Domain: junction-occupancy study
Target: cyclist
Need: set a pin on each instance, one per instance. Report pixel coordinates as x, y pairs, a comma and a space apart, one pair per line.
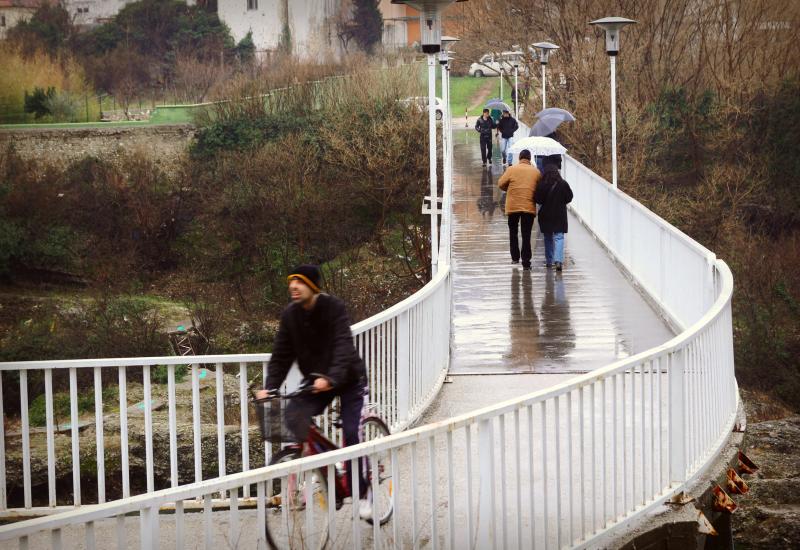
315, 331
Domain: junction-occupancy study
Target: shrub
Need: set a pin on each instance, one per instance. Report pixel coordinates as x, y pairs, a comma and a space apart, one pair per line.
37, 102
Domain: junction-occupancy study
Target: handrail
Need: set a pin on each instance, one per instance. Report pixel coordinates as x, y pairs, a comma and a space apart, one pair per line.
403, 379
600, 449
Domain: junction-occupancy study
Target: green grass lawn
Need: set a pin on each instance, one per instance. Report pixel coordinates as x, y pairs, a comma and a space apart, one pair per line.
170, 114
464, 88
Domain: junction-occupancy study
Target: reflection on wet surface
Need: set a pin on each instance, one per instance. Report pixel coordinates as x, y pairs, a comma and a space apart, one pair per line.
507, 320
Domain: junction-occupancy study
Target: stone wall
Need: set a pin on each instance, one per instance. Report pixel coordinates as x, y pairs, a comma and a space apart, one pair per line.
167, 143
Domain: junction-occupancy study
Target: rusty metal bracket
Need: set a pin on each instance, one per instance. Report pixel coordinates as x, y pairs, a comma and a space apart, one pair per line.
746, 466
680, 499
704, 526
723, 502
735, 484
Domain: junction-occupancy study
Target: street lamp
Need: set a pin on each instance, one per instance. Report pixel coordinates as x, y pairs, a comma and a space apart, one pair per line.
514, 56
447, 143
545, 48
430, 15
612, 26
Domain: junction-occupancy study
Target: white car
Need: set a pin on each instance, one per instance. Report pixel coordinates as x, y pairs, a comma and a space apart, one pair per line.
421, 104
490, 64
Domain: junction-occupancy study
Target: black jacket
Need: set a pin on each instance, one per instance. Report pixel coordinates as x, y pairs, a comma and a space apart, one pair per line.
507, 126
485, 127
320, 341
553, 193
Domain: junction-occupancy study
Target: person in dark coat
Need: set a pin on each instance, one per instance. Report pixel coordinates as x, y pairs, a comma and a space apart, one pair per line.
484, 125
315, 332
553, 194
505, 129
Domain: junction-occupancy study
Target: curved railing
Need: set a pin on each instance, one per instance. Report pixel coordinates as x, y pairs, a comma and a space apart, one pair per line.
559, 467
406, 350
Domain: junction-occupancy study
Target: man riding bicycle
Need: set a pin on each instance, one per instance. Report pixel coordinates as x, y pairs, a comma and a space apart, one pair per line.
315, 331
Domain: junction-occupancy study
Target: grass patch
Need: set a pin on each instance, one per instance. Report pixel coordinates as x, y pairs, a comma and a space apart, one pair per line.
37, 412
464, 88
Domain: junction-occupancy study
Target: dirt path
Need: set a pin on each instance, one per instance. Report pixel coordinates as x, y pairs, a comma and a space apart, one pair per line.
482, 94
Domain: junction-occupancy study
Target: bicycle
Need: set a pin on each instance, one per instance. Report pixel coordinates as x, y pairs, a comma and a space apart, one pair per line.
290, 522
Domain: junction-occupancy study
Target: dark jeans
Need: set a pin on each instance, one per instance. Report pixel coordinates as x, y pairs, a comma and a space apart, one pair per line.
300, 410
526, 220
486, 148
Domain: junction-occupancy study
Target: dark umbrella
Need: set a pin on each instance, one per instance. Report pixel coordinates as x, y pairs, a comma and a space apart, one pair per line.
549, 120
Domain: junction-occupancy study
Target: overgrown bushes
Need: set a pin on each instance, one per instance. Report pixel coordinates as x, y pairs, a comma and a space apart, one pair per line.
332, 176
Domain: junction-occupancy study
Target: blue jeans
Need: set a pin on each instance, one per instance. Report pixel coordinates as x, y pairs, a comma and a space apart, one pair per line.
553, 247
505, 143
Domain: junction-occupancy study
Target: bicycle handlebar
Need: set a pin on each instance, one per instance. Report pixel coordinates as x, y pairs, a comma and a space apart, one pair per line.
305, 388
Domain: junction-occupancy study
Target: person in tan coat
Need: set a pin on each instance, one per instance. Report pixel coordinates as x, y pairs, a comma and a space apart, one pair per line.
519, 182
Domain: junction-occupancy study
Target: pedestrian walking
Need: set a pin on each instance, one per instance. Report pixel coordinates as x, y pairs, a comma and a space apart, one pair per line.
484, 125
553, 194
314, 331
505, 130
520, 182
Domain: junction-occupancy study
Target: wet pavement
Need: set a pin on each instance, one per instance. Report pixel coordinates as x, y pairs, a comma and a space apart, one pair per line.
507, 320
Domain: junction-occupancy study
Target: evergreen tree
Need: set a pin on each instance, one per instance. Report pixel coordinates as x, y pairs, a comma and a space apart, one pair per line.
367, 24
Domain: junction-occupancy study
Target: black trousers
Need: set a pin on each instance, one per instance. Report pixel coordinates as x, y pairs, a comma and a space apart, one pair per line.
300, 410
525, 220
486, 148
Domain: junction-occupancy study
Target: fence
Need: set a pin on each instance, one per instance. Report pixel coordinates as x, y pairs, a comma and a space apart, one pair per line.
556, 468
406, 349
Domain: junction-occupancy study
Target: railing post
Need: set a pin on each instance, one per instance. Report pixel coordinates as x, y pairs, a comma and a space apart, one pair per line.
403, 366
677, 417
486, 504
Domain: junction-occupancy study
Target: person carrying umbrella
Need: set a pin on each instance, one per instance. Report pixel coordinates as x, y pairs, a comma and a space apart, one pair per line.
505, 129
553, 194
520, 182
484, 125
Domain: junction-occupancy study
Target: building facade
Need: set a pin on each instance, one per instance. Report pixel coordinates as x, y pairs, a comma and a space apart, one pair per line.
304, 28
401, 24
93, 12
14, 11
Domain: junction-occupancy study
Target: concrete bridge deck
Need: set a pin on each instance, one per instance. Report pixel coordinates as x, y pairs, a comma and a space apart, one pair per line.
540, 326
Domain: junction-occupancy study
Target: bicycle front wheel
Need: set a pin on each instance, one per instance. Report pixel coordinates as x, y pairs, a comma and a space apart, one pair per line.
297, 514
379, 470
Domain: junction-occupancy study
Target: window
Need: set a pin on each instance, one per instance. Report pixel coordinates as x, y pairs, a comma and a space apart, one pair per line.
2, 20
252, 4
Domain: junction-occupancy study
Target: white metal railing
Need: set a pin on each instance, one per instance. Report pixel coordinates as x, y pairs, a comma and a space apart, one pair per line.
556, 468
406, 349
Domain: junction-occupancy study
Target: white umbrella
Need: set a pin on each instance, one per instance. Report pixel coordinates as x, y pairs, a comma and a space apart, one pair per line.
538, 146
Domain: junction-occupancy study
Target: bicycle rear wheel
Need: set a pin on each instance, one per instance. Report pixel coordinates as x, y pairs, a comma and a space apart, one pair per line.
382, 488
293, 520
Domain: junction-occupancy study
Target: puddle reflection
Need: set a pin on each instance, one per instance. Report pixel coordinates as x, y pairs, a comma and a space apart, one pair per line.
486, 202
557, 329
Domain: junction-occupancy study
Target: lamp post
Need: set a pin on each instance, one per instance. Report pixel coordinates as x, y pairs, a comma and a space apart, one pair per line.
612, 26
544, 48
514, 56
447, 146
501, 80
430, 15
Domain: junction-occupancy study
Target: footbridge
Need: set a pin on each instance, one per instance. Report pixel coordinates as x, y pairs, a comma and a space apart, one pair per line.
528, 409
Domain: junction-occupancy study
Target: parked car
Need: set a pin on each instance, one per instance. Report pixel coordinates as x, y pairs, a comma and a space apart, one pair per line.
490, 64
421, 104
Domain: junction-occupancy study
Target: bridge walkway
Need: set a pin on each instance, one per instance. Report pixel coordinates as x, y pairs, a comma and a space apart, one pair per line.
529, 329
